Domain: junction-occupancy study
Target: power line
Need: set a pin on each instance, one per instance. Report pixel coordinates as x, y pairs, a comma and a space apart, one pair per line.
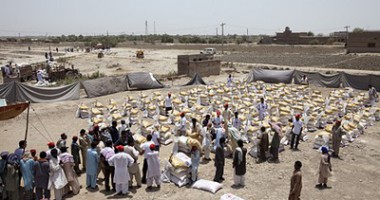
222, 25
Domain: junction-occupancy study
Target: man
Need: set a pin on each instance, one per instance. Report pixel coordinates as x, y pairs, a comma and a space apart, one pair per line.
206, 121
183, 126
219, 161
219, 132
296, 131
229, 81
275, 144
51, 146
156, 137
168, 104
372, 95
123, 126
67, 162
206, 141
227, 115
217, 121
105, 155
84, 143
123, 140
195, 132
26, 166
195, 159
337, 133
121, 161
145, 150
114, 132
324, 168
134, 169
239, 163
92, 160
33, 153
304, 80
154, 172
57, 176
75, 149
296, 182
263, 145
12, 178
236, 121
41, 177
262, 109
21, 149
62, 142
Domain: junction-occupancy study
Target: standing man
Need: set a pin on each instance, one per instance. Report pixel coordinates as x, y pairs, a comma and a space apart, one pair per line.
219, 161
263, 145
324, 168
236, 121
123, 126
57, 176
206, 141
372, 95
156, 137
296, 182
195, 159
183, 125
67, 163
275, 144
41, 177
217, 121
154, 172
84, 143
145, 150
262, 109
296, 131
114, 132
62, 141
109, 171
121, 161
75, 149
26, 166
134, 169
21, 148
337, 133
239, 163
168, 104
92, 160
227, 115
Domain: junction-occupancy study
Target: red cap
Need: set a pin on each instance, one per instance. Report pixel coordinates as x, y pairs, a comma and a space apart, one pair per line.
120, 148
182, 113
218, 112
152, 146
51, 144
33, 151
298, 116
338, 122
226, 105
75, 137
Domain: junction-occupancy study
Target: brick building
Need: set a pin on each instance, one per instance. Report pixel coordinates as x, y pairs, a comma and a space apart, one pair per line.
364, 42
203, 64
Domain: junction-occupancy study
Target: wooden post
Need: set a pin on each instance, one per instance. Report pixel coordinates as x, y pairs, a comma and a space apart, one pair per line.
27, 122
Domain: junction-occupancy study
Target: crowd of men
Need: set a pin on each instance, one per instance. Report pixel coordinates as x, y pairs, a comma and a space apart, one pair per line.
112, 151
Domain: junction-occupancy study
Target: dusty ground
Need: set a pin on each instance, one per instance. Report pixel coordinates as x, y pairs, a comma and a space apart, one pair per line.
356, 175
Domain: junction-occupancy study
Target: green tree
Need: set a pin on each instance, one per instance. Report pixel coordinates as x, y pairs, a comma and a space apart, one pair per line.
357, 30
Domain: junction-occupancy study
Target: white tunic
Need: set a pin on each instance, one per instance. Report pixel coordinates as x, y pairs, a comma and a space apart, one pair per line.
217, 121
183, 124
262, 108
153, 164
168, 102
236, 123
297, 126
156, 137
121, 161
206, 137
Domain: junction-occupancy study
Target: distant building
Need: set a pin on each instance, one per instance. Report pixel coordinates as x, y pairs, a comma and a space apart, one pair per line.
203, 64
364, 42
299, 38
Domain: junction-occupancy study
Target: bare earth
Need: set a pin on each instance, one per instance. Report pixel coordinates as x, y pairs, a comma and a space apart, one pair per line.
356, 174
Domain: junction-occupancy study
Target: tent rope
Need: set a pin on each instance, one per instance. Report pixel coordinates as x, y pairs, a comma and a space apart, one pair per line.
51, 139
47, 139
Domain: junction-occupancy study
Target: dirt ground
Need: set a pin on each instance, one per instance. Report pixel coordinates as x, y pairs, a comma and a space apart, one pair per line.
356, 174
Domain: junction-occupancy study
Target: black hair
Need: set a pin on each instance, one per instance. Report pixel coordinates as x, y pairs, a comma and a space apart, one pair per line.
149, 137
262, 128
240, 143
298, 164
109, 143
21, 143
43, 154
82, 131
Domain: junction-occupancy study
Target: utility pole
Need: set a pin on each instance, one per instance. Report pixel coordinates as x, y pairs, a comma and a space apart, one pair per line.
247, 32
347, 27
216, 31
222, 25
146, 27
154, 24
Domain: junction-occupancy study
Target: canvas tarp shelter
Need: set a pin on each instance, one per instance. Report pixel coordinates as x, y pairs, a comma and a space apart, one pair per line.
196, 80
360, 82
16, 91
105, 86
271, 76
316, 78
143, 81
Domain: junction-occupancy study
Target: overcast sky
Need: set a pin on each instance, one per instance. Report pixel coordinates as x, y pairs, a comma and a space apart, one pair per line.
89, 17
